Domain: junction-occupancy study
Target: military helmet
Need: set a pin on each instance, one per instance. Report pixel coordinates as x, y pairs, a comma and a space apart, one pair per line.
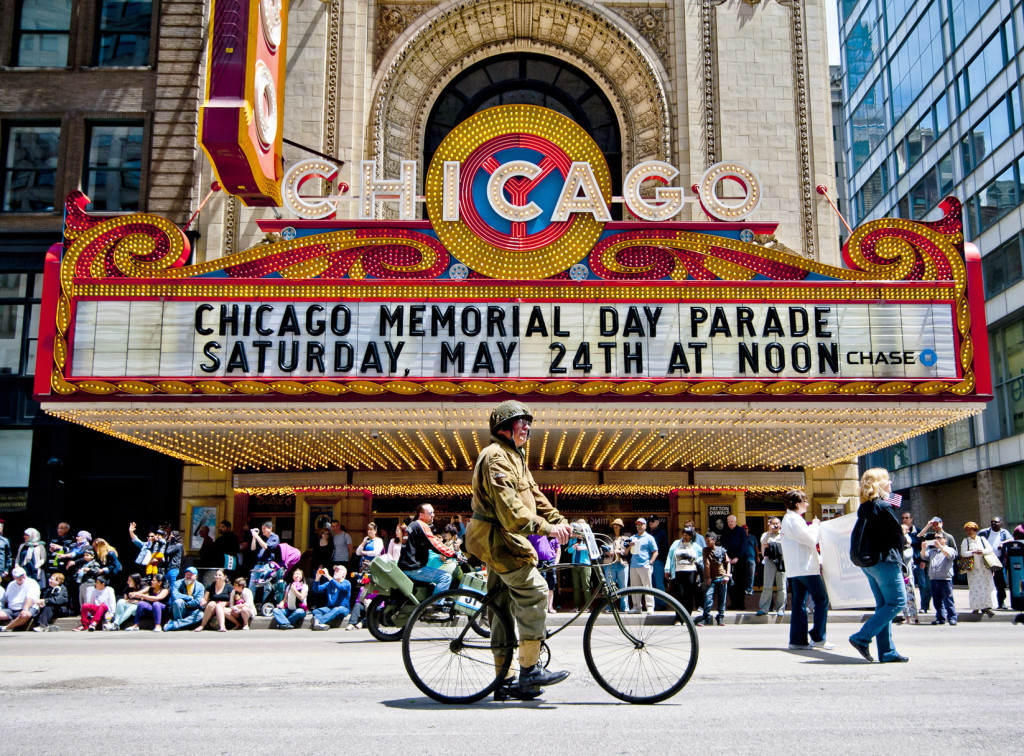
508, 411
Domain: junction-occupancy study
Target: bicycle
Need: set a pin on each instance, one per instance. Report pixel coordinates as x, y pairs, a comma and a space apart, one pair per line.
636, 657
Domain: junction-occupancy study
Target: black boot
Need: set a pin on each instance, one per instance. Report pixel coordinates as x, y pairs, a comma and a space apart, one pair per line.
534, 677
510, 689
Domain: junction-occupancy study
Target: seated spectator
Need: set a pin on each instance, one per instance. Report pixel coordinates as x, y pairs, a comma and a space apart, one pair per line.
337, 591
53, 603
98, 601
127, 605
18, 604
152, 600
31, 555
290, 613
243, 609
106, 558
186, 601
216, 601
370, 548
83, 543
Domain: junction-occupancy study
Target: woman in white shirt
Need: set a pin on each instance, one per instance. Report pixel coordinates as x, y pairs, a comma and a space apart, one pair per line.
242, 609
803, 567
395, 544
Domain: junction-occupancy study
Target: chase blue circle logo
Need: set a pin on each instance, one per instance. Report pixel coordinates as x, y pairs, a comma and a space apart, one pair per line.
928, 357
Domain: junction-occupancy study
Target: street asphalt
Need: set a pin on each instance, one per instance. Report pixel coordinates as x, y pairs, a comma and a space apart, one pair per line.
299, 692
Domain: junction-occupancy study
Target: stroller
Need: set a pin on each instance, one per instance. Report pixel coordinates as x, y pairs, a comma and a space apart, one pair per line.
268, 584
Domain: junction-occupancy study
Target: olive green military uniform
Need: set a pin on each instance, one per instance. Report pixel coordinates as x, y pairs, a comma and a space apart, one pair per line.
507, 507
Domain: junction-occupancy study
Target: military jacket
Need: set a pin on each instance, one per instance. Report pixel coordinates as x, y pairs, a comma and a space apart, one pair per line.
508, 506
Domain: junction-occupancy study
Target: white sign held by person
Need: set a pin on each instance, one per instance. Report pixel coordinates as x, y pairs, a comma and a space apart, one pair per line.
845, 582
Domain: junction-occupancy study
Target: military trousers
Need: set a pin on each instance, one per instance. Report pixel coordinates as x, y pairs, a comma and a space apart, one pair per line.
526, 600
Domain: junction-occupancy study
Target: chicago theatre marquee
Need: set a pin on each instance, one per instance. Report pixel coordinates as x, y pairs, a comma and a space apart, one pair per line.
602, 210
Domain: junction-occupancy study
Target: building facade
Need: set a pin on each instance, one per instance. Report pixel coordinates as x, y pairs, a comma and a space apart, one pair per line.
933, 108
376, 91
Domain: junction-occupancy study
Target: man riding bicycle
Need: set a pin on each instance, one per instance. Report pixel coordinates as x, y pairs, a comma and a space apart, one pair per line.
508, 506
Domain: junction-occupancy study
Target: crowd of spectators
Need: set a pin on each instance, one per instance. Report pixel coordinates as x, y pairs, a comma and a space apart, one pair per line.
81, 575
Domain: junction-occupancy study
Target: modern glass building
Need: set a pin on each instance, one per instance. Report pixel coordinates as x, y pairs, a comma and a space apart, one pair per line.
932, 93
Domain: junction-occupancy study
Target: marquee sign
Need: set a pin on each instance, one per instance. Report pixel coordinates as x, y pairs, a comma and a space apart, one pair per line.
520, 283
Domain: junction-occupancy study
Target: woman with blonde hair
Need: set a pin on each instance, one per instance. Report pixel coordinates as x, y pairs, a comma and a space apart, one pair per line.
883, 535
981, 586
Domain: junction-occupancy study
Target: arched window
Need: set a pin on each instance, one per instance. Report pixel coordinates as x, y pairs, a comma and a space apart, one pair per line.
526, 79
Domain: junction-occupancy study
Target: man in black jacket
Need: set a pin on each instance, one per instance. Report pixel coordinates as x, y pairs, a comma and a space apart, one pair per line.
420, 541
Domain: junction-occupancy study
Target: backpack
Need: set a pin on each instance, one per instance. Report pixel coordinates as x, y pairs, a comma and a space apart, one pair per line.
861, 553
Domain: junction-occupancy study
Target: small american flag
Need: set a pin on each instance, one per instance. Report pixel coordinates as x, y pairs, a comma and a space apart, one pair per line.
893, 500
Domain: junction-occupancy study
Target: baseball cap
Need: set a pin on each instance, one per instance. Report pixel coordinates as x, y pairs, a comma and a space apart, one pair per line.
192, 570
18, 572
641, 519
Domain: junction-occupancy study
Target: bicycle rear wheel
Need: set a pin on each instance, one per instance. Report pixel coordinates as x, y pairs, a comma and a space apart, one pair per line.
641, 658
444, 655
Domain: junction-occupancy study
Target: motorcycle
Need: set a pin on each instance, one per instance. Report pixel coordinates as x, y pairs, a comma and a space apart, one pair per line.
398, 595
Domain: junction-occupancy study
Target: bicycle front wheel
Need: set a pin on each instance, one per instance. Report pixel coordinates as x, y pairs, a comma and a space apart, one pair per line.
444, 655
641, 658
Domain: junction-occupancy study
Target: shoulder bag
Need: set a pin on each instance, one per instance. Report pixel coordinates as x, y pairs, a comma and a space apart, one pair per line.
861, 553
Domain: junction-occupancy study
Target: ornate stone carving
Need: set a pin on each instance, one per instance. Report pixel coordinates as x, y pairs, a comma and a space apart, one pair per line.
709, 42
803, 125
652, 24
331, 78
392, 20
231, 222
457, 34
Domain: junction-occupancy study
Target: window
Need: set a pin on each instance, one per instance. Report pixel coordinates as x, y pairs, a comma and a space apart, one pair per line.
19, 320
848, 6
1002, 266
529, 79
916, 62
1008, 372
113, 167
863, 45
30, 167
964, 14
867, 126
872, 191
123, 32
990, 132
997, 199
891, 457
895, 12
1013, 490
42, 33
915, 144
981, 70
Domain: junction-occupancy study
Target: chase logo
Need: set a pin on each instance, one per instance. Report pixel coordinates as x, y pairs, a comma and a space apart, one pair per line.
928, 357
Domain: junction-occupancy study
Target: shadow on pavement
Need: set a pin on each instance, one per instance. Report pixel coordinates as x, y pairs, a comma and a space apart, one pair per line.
813, 657
429, 704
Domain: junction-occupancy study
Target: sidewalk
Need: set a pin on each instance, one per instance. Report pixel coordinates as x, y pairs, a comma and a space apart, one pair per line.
853, 616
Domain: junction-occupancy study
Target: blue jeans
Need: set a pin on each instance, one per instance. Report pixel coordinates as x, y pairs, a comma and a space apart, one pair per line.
441, 579
814, 586
886, 581
183, 615
325, 616
659, 580
293, 617
921, 580
615, 574
717, 590
942, 597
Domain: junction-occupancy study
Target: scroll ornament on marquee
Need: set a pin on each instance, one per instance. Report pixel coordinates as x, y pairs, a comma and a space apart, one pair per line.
144, 255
